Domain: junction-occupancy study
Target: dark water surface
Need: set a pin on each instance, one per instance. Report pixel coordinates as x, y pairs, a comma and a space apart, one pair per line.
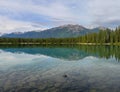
60, 69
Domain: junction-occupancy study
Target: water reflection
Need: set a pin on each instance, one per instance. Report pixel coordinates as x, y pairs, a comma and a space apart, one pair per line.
57, 69
71, 52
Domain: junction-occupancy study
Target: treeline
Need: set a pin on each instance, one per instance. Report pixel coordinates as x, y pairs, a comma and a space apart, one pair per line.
103, 36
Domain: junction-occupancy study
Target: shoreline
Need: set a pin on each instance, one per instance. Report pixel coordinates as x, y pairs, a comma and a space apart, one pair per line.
117, 44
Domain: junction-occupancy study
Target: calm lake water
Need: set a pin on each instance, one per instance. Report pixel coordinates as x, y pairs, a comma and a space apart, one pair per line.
60, 69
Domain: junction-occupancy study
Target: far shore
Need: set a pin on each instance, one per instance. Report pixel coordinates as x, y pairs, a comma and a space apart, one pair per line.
117, 44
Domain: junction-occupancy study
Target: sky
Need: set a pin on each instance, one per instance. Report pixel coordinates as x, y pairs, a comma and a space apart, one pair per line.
27, 15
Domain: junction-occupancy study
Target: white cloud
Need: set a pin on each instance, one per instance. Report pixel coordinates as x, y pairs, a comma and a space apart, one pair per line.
9, 25
58, 12
104, 12
53, 10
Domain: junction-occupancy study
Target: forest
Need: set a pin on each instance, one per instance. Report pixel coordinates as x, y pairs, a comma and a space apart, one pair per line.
106, 36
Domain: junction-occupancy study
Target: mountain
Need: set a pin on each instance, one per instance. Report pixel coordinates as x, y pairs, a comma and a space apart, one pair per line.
0, 34
64, 31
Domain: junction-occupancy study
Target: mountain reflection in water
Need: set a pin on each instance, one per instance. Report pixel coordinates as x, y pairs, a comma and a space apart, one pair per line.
60, 69
71, 53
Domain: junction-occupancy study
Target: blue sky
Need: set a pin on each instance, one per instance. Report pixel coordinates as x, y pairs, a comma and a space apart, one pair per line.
27, 15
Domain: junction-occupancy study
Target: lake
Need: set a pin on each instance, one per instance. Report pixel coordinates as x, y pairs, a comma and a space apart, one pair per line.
60, 69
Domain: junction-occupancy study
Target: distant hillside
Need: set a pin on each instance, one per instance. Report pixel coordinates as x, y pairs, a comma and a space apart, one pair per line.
64, 31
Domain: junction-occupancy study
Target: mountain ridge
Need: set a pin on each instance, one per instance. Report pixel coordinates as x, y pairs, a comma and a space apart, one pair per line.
63, 31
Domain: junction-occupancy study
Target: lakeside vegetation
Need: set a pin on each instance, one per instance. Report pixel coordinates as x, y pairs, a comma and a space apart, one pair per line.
103, 37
